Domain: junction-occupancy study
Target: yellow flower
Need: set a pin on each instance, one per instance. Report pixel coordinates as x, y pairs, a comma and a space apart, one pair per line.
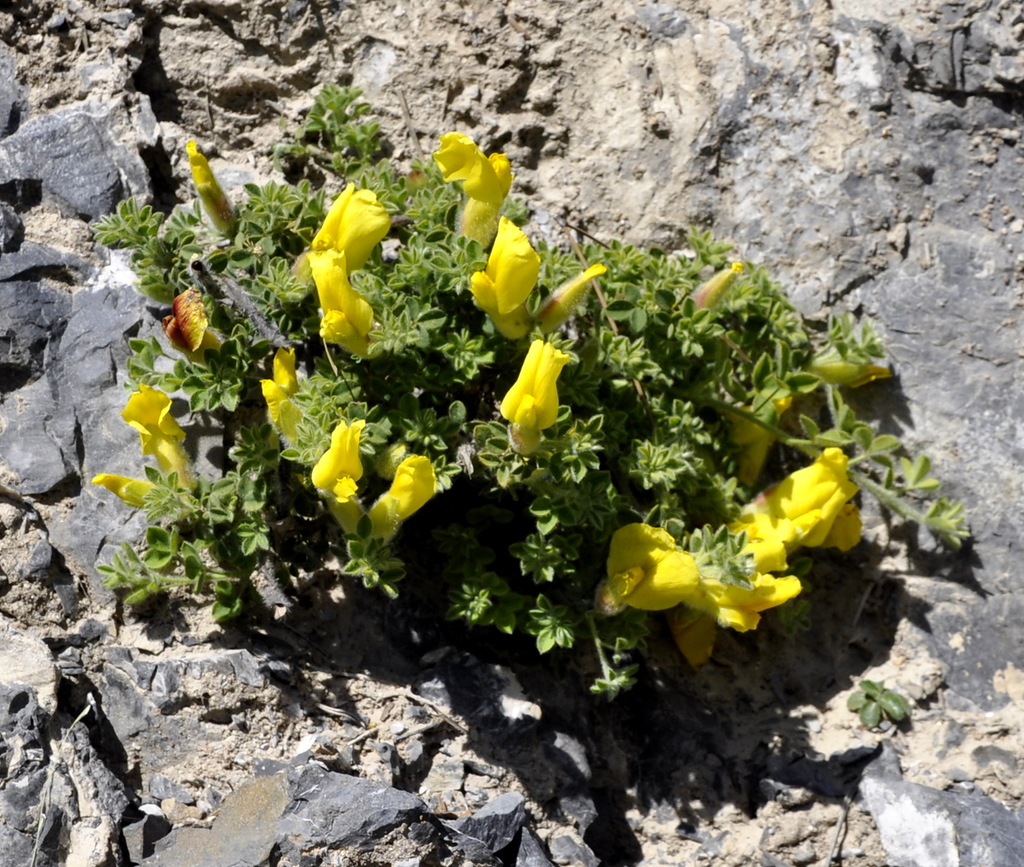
354, 225
739, 608
414, 484
149, 412
511, 274
835, 371
713, 292
532, 402
485, 180
132, 491
694, 634
803, 508
339, 468
278, 393
646, 570
845, 530
215, 202
347, 315
565, 299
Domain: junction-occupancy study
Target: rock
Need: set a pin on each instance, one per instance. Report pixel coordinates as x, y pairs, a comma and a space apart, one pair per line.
12, 95
303, 810
348, 812
925, 827
491, 828
84, 373
12, 230
36, 566
531, 853
38, 439
161, 787
142, 835
568, 848
26, 661
243, 834
127, 710
76, 159
83, 800
446, 776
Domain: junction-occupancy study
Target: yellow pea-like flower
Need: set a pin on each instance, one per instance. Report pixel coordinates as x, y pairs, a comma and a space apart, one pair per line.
278, 393
803, 509
835, 371
712, 293
486, 180
354, 225
413, 485
532, 401
347, 315
512, 270
340, 467
566, 298
149, 412
646, 570
693, 625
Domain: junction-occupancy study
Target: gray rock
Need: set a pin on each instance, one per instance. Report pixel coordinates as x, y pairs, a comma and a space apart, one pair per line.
12, 95
12, 230
661, 19
347, 812
32, 261
925, 827
531, 853
83, 801
569, 849
303, 810
172, 680
85, 370
127, 710
25, 661
36, 567
161, 787
77, 161
491, 828
142, 835
37, 442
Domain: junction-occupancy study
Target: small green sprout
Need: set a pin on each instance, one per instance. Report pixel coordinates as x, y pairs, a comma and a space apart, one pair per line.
873, 703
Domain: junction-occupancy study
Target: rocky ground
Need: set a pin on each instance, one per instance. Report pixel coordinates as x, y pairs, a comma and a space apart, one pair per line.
867, 153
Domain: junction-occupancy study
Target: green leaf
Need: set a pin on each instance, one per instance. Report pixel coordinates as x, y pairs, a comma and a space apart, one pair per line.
871, 715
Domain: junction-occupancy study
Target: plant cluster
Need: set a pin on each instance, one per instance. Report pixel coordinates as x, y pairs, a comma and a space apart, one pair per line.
576, 436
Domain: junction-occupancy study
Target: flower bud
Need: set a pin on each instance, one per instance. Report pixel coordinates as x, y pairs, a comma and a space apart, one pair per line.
215, 202
835, 371
566, 298
132, 491
710, 295
186, 326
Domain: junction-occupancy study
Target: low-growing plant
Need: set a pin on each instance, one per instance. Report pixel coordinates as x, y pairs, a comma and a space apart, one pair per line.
577, 436
873, 703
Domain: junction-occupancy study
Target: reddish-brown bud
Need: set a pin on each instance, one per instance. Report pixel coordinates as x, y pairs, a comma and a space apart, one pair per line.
186, 326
